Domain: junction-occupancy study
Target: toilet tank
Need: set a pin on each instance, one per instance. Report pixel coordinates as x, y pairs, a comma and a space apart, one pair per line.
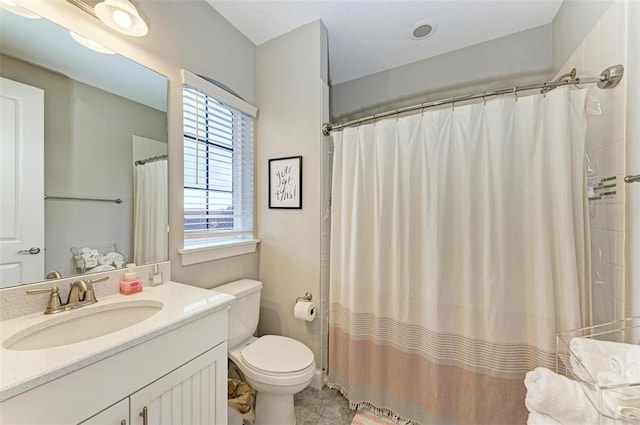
244, 313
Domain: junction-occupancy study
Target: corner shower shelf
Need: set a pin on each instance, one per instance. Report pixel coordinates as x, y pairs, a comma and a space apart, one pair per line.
568, 364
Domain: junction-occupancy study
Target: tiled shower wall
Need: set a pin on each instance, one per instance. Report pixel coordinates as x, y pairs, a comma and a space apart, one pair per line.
605, 145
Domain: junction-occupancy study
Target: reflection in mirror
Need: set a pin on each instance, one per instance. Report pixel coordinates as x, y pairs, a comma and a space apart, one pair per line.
86, 206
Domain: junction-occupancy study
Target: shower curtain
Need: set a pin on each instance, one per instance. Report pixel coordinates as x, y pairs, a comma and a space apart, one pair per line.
151, 210
457, 253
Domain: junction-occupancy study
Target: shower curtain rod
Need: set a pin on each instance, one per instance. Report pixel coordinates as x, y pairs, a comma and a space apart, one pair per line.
608, 79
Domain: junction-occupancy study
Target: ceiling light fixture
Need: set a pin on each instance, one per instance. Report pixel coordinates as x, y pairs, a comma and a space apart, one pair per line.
421, 30
90, 44
18, 10
122, 16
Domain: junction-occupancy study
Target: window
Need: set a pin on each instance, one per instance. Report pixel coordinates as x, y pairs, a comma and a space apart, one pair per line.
218, 165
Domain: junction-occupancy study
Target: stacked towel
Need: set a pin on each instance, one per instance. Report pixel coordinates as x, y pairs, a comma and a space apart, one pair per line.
587, 365
90, 258
618, 395
110, 258
594, 357
552, 396
613, 366
102, 268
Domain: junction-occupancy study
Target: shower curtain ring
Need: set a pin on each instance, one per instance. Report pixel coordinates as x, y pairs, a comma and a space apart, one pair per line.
484, 99
453, 104
397, 114
515, 92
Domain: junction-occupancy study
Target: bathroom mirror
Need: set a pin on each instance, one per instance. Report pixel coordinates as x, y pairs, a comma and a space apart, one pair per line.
102, 112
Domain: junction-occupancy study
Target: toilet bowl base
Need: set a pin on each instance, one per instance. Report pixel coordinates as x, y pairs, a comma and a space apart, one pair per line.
274, 409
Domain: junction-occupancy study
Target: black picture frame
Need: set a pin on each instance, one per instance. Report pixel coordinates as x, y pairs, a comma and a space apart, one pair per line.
285, 183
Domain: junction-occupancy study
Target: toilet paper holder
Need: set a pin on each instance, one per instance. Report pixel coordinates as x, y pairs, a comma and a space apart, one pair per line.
307, 297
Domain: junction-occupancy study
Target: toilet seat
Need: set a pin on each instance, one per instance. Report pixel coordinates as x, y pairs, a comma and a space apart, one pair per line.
274, 354
269, 350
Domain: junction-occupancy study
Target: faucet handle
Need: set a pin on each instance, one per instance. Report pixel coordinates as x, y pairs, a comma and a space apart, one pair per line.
55, 303
90, 295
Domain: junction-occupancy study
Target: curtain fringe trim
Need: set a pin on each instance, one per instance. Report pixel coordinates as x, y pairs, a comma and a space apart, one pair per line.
366, 405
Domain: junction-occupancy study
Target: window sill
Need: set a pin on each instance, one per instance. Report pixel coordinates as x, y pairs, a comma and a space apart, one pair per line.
201, 254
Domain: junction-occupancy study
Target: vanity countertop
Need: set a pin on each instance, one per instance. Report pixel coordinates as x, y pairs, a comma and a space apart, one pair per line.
21, 371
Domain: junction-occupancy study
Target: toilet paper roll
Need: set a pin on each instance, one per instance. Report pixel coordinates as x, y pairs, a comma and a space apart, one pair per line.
305, 310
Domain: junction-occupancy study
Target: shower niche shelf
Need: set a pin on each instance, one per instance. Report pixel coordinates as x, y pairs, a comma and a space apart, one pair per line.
616, 403
605, 188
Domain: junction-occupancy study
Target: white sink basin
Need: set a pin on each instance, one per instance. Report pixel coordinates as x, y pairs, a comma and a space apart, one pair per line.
82, 324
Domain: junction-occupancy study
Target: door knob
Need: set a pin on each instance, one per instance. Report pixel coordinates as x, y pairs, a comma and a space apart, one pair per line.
33, 251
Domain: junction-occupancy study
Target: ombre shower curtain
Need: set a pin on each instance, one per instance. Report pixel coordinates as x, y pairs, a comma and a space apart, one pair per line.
151, 213
457, 253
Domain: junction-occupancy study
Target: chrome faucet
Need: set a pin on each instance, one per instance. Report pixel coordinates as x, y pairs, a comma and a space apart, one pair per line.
80, 293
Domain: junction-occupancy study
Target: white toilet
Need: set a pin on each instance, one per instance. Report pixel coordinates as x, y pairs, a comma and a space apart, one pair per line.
277, 367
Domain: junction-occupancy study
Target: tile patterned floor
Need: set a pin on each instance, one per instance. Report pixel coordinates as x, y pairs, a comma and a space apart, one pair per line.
324, 407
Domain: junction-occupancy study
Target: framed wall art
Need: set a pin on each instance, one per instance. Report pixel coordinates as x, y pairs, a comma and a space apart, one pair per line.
285, 182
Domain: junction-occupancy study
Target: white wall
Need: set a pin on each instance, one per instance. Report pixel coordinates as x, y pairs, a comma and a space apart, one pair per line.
574, 20
291, 73
517, 59
603, 46
182, 34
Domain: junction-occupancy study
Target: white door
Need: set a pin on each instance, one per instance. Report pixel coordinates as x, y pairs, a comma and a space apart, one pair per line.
21, 183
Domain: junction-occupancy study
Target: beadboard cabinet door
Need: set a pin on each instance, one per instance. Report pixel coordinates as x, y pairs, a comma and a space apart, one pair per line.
195, 393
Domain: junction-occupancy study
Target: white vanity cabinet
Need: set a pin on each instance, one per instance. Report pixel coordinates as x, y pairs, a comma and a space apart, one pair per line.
118, 414
180, 376
195, 393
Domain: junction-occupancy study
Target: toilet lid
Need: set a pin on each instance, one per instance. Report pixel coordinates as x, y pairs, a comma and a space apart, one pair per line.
278, 354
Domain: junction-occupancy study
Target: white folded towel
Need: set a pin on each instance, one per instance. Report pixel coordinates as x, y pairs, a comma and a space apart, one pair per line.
102, 268
633, 355
558, 397
537, 418
604, 348
629, 414
617, 364
104, 260
112, 257
605, 356
633, 372
617, 398
587, 366
90, 262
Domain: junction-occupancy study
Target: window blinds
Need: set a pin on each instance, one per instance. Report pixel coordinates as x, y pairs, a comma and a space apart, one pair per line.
218, 167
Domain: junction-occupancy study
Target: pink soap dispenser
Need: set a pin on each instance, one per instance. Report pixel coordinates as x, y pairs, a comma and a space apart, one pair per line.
131, 284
